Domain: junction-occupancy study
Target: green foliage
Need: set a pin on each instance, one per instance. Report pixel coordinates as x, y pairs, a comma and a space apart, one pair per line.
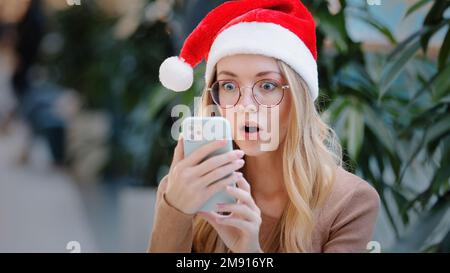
391, 111
392, 114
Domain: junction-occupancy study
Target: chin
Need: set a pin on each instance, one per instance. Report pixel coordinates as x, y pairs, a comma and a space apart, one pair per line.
255, 147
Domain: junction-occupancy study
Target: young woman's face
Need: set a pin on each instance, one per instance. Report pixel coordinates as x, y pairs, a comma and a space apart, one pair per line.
260, 117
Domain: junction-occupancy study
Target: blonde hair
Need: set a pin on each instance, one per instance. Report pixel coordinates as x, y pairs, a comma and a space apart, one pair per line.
311, 153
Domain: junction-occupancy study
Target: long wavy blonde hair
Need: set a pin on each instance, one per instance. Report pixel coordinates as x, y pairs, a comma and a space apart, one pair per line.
311, 153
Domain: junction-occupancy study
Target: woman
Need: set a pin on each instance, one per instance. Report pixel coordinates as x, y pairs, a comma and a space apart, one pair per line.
293, 196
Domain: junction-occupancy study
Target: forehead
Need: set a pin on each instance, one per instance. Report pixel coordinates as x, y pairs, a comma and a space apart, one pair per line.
247, 64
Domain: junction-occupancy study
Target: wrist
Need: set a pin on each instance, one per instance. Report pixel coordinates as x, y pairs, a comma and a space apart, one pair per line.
174, 206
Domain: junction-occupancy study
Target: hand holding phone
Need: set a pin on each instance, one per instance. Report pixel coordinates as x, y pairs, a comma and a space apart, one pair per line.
203, 166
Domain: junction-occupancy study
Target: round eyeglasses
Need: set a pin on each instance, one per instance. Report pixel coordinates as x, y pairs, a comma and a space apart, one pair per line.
266, 92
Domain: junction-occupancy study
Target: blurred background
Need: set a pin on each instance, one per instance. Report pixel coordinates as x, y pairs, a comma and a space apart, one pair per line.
85, 124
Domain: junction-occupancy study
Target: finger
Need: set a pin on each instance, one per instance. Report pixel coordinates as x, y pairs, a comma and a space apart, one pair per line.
210, 217
241, 224
243, 196
241, 210
220, 172
198, 155
221, 184
207, 215
178, 153
217, 161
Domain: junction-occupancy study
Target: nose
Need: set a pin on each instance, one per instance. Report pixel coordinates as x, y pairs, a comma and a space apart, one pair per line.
246, 102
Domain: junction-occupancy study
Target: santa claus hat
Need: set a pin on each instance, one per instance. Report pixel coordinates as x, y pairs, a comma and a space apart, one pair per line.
282, 29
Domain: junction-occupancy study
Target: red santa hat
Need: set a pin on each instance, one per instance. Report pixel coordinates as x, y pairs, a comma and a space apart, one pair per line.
282, 29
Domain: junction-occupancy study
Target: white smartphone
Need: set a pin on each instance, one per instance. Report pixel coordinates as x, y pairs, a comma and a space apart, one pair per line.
198, 131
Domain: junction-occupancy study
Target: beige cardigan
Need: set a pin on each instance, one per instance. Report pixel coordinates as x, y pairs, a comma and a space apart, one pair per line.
344, 224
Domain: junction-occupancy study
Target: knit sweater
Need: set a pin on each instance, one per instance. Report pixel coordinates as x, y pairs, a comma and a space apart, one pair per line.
343, 224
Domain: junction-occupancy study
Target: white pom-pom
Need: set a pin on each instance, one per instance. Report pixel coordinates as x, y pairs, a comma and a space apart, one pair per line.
175, 74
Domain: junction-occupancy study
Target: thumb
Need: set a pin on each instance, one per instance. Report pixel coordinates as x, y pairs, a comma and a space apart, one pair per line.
178, 154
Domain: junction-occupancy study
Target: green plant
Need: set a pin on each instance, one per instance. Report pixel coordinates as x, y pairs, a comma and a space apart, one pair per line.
391, 111
392, 114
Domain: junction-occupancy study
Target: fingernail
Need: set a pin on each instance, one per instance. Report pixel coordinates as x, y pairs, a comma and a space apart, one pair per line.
239, 174
241, 162
239, 153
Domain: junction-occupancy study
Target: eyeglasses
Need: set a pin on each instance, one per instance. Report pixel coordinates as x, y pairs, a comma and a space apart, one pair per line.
266, 92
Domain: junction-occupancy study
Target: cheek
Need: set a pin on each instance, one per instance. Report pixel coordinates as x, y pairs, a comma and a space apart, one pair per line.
284, 111
230, 116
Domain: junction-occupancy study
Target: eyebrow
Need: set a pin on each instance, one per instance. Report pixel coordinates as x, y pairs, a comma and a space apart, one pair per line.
263, 73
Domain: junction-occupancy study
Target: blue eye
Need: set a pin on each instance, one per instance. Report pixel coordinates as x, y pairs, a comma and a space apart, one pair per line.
228, 86
268, 86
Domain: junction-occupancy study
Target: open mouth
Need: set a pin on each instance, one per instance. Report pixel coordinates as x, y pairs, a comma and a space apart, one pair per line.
251, 127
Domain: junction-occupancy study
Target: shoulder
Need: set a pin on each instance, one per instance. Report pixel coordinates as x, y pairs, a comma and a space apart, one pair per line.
346, 221
351, 198
350, 189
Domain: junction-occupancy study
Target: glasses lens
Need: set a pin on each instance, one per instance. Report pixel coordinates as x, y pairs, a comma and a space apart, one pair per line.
225, 93
268, 92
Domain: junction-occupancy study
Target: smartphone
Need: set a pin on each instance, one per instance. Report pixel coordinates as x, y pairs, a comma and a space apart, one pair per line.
198, 131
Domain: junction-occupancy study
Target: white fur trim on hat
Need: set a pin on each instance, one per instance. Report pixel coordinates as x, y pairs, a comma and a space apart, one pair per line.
175, 74
267, 39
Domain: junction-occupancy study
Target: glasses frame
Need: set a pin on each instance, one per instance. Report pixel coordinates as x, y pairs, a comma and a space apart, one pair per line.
283, 87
